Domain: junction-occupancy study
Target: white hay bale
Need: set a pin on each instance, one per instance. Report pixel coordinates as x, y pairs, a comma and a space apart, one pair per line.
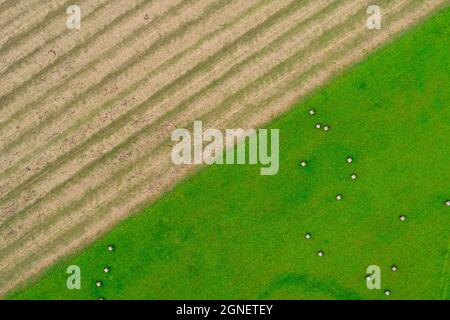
111, 248
98, 283
318, 126
447, 203
349, 159
308, 235
320, 253
339, 197
303, 163
394, 268
387, 292
312, 112
353, 176
403, 217
326, 128
106, 270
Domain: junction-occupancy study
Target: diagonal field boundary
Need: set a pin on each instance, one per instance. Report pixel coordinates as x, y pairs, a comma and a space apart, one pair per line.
106, 116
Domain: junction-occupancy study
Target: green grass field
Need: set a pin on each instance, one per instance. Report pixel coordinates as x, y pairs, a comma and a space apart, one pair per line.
229, 233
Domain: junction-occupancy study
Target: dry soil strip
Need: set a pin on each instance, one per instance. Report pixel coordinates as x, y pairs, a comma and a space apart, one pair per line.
118, 11
12, 10
39, 50
28, 19
46, 85
119, 29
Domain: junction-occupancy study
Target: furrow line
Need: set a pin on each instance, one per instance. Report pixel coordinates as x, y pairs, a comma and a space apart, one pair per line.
12, 10
36, 16
117, 30
44, 44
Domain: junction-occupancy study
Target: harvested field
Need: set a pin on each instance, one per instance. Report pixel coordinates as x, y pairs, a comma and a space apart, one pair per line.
86, 115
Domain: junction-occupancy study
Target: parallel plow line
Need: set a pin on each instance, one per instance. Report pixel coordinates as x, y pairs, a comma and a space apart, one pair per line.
119, 32
34, 17
37, 45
